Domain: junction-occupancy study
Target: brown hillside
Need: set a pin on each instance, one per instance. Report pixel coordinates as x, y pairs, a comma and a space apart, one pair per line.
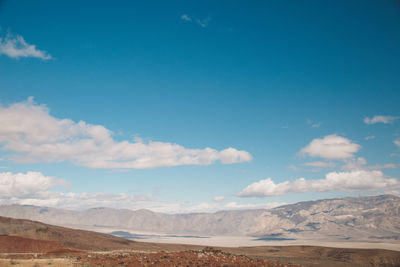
63, 236
16, 244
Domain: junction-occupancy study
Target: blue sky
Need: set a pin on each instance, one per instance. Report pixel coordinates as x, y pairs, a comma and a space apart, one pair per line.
293, 88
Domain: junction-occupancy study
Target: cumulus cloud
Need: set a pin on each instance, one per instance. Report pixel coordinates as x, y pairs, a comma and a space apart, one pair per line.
34, 135
28, 184
16, 47
370, 137
380, 119
265, 188
331, 147
359, 180
232, 155
34, 188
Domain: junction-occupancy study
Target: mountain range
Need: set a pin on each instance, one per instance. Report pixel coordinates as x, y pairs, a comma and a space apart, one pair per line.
367, 219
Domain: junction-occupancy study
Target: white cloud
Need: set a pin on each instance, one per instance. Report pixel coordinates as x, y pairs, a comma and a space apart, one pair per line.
370, 137
82, 200
380, 119
218, 198
35, 136
231, 155
26, 185
201, 22
186, 17
34, 188
331, 147
213, 207
314, 124
16, 47
264, 188
320, 164
397, 142
359, 180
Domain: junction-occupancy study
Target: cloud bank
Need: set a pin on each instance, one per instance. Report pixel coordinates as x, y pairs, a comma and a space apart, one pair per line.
16, 47
34, 188
28, 130
359, 180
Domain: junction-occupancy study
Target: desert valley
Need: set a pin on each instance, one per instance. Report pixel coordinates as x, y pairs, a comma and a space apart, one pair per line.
363, 231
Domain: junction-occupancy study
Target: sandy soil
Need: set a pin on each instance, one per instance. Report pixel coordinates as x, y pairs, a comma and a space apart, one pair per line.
62, 262
208, 256
205, 257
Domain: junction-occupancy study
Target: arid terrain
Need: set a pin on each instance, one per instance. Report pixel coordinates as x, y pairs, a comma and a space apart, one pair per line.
371, 219
30, 243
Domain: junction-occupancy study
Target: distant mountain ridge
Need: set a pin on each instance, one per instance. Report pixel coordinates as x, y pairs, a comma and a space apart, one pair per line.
369, 218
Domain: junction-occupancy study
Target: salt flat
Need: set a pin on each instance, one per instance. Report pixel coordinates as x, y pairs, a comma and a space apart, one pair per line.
241, 241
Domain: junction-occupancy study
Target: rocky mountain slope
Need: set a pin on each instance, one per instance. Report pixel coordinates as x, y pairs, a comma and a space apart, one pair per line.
371, 218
